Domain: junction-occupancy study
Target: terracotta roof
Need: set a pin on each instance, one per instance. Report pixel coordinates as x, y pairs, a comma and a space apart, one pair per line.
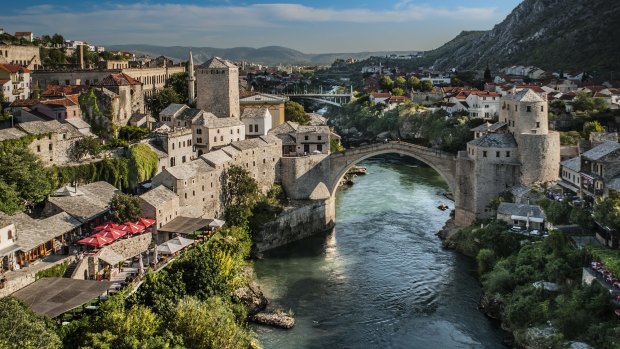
27, 103
118, 79
3, 81
381, 95
60, 102
22, 33
14, 68
58, 90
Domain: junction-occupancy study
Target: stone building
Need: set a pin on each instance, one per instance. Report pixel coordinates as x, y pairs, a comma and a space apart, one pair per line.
55, 140
211, 132
160, 204
59, 108
15, 82
27, 56
519, 150
257, 121
198, 183
177, 143
218, 88
299, 140
122, 94
274, 103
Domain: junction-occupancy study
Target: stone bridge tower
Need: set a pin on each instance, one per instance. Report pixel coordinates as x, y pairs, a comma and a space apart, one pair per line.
218, 88
519, 149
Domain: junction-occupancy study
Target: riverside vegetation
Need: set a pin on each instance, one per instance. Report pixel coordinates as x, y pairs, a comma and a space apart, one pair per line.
192, 303
509, 265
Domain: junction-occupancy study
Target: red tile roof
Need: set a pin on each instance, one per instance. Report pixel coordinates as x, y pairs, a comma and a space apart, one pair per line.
23, 33
60, 102
14, 68
118, 79
59, 91
2, 81
381, 95
24, 103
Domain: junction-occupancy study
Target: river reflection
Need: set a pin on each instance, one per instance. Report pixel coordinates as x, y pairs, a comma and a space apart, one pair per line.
381, 279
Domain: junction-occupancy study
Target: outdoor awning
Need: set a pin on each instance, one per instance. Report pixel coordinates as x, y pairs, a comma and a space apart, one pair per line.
56, 296
185, 225
174, 245
531, 219
217, 223
110, 257
9, 249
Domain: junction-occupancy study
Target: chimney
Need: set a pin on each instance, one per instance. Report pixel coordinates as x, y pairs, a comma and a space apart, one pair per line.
81, 56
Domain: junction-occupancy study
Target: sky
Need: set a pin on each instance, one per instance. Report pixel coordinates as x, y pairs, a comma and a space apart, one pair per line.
319, 26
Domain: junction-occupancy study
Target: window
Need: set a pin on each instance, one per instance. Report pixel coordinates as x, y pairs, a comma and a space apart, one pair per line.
173, 146
198, 140
50, 147
496, 154
221, 138
199, 131
218, 130
516, 108
251, 128
237, 132
507, 154
528, 109
318, 137
537, 124
319, 147
306, 138
484, 154
183, 159
10, 234
38, 148
215, 139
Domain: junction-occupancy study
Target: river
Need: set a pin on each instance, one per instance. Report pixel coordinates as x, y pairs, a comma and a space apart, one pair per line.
381, 279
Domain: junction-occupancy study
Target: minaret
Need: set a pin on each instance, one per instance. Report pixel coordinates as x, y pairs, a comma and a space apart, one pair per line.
191, 80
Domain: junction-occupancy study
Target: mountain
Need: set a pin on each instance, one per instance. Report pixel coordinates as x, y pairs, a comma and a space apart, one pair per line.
266, 55
551, 34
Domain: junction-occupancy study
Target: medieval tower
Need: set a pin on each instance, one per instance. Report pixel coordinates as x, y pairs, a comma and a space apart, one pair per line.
517, 150
218, 88
191, 80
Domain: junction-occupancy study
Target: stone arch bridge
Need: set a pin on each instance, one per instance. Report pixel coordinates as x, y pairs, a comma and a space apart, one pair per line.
316, 177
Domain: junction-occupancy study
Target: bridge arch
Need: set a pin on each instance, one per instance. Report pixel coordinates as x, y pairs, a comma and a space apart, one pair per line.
442, 162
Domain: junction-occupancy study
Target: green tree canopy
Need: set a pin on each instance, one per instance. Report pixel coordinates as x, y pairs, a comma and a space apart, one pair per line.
592, 126
397, 91
400, 82
86, 146
386, 83
125, 208
21, 170
21, 328
295, 112
426, 86
413, 83
178, 82
162, 99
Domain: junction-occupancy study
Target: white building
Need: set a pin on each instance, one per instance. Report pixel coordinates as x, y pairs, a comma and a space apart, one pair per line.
15, 82
257, 121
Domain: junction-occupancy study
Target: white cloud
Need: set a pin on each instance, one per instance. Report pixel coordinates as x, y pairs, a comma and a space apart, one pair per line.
170, 24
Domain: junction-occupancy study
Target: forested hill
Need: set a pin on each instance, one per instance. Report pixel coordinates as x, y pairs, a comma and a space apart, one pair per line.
578, 35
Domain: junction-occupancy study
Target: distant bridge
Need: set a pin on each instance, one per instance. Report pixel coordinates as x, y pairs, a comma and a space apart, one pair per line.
337, 100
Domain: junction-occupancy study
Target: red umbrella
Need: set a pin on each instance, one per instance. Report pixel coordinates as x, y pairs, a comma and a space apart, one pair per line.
112, 234
133, 228
107, 226
146, 222
95, 240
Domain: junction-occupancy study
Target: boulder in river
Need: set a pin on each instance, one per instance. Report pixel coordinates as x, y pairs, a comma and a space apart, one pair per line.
277, 319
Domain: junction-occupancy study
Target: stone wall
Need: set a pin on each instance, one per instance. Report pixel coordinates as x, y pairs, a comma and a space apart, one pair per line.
301, 176
312, 218
540, 157
27, 56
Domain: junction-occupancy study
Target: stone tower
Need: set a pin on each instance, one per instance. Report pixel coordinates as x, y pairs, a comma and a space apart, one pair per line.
191, 80
517, 150
218, 88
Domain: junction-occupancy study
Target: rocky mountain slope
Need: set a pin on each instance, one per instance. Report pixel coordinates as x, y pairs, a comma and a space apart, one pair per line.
265, 55
551, 34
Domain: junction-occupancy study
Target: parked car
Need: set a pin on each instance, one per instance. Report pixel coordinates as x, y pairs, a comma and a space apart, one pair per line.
516, 228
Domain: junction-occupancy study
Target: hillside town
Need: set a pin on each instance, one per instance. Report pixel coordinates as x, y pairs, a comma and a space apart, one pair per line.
118, 167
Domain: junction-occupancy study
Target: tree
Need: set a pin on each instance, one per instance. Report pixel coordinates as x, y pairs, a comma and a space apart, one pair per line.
22, 170
400, 82
209, 325
487, 74
10, 201
178, 82
413, 83
570, 138
607, 211
240, 188
125, 208
397, 91
592, 126
21, 328
386, 83
295, 112
162, 99
86, 146
426, 86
